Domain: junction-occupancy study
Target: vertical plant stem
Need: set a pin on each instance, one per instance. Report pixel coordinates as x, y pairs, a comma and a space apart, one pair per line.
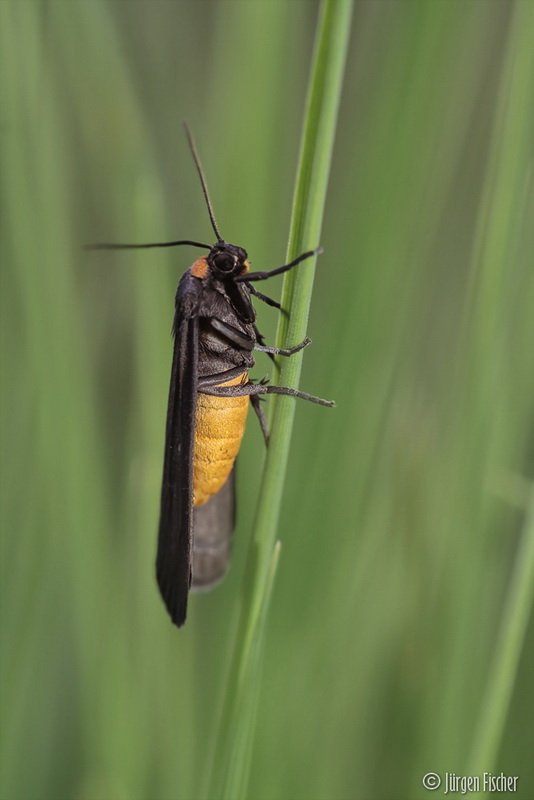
234, 744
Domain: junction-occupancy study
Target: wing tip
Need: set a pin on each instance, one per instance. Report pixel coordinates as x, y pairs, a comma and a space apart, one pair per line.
174, 599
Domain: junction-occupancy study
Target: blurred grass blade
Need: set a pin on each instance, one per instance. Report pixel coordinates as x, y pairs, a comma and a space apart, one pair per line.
508, 646
502, 213
232, 759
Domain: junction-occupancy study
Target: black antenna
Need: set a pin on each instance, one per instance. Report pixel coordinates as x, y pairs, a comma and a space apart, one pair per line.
109, 246
202, 180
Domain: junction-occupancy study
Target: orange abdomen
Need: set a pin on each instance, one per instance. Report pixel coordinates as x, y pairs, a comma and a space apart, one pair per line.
220, 425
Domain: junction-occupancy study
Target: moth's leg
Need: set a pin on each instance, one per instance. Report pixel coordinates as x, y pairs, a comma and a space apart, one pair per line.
233, 335
262, 276
264, 298
260, 388
276, 351
261, 340
256, 405
220, 377
247, 342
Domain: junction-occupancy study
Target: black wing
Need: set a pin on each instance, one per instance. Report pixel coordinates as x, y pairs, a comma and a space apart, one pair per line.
214, 525
175, 539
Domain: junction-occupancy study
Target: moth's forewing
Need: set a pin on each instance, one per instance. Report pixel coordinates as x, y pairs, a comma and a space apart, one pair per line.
174, 558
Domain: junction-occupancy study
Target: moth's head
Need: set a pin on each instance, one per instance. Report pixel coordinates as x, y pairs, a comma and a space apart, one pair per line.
227, 260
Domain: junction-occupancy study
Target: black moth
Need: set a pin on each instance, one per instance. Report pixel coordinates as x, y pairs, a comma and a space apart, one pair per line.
214, 335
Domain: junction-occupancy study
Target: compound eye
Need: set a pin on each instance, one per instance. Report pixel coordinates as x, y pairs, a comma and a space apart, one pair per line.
224, 262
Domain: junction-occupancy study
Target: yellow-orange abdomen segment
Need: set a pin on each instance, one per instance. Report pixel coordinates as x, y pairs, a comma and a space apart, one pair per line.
220, 425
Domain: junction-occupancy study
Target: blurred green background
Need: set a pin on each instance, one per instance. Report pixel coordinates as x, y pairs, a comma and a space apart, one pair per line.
405, 508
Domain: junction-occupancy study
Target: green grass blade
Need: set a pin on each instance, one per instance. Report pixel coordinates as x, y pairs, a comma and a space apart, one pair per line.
317, 143
503, 210
508, 647
232, 759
